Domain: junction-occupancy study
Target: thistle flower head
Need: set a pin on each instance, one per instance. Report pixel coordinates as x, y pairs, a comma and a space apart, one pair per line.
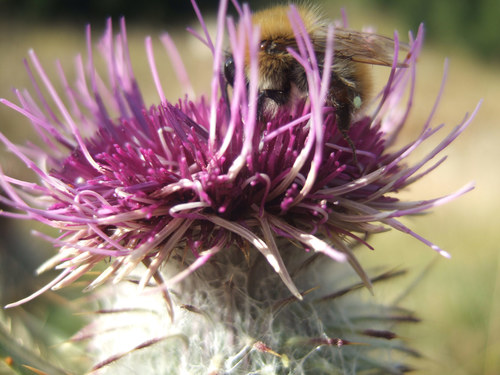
133, 183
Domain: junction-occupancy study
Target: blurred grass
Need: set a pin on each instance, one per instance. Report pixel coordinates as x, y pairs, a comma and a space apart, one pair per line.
458, 299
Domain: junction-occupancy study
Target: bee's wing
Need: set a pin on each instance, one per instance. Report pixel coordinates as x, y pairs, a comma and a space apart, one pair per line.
365, 47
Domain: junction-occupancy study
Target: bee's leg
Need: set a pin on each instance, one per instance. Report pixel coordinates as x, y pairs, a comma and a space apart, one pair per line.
342, 99
343, 113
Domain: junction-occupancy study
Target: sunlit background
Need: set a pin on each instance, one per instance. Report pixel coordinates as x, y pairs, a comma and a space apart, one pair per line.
458, 299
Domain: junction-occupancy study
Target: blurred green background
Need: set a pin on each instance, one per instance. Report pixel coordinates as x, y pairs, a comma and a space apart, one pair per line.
458, 299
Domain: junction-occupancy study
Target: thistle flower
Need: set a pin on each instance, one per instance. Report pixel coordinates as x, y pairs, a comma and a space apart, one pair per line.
196, 190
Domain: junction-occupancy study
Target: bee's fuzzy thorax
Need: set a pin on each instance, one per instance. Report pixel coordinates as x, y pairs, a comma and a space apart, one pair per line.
280, 26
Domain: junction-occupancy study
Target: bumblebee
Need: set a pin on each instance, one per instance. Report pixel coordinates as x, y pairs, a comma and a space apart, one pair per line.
282, 80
